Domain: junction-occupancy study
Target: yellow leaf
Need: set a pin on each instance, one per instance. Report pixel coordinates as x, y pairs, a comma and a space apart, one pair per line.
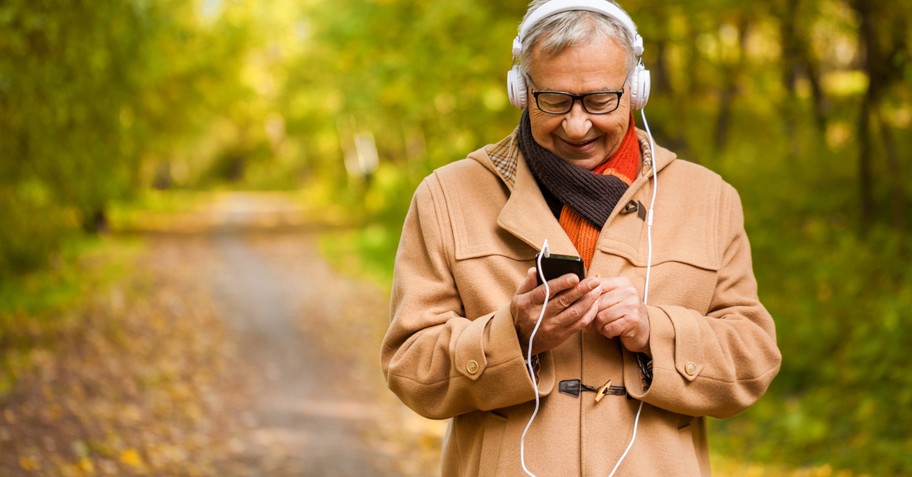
131, 458
86, 465
28, 464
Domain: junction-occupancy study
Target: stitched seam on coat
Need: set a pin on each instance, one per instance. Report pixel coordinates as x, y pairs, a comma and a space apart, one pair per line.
442, 215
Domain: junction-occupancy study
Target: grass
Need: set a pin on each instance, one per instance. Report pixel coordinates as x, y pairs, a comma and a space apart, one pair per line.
35, 309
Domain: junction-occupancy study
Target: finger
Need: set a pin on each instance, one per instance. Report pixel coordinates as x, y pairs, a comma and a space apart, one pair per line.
616, 283
616, 328
556, 292
580, 313
621, 301
631, 335
586, 322
573, 289
563, 283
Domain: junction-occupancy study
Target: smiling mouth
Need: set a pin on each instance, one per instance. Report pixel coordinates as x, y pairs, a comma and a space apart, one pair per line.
579, 144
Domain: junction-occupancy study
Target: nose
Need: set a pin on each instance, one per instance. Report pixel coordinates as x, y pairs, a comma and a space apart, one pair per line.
576, 123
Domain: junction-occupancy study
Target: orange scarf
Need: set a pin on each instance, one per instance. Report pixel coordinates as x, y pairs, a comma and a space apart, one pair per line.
624, 165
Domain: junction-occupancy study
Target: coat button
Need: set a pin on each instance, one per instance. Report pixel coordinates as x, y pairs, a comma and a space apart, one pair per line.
472, 367
690, 368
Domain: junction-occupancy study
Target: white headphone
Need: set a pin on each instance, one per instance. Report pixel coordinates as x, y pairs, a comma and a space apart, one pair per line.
639, 95
640, 81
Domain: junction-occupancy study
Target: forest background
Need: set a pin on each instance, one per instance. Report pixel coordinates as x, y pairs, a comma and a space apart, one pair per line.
803, 105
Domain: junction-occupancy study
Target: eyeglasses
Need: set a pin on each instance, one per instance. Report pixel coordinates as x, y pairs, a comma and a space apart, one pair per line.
596, 102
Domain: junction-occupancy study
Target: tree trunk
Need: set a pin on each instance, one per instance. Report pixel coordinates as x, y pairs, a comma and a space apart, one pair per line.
95, 222
788, 32
730, 89
897, 191
865, 185
821, 104
868, 46
659, 70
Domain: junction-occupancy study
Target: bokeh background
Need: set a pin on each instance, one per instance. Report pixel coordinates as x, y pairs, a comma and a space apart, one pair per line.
115, 116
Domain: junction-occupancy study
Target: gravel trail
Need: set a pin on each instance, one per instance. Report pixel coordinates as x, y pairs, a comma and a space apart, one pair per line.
231, 348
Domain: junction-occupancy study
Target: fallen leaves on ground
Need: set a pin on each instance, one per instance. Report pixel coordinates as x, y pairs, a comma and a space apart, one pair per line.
149, 381
144, 385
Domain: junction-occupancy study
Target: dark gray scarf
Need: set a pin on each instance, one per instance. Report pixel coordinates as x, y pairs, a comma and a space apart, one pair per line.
591, 195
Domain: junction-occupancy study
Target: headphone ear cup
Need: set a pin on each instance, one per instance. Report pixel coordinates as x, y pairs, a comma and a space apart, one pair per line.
639, 87
516, 87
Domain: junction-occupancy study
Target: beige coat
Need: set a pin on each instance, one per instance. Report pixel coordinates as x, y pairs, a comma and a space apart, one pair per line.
452, 351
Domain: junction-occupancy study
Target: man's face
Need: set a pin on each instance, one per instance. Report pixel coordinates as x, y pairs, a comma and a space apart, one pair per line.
582, 139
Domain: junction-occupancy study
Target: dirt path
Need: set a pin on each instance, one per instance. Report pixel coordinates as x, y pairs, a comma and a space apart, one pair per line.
311, 338
273, 364
314, 409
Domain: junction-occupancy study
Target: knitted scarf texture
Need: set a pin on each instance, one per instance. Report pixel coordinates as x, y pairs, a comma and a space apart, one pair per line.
586, 197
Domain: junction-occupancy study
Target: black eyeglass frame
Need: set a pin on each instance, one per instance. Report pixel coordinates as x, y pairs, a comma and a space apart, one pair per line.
581, 98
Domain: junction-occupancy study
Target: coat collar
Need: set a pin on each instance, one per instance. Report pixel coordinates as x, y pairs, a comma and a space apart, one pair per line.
526, 214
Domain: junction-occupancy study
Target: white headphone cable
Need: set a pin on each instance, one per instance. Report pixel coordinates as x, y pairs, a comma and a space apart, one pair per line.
649, 216
545, 251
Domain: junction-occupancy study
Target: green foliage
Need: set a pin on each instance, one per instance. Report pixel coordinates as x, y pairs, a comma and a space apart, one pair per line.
33, 308
26, 241
419, 75
91, 95
101, 100
843, 396
841, 299
61, 89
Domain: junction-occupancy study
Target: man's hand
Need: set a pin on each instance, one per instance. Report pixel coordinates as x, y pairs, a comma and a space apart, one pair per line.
571, 308
621, 313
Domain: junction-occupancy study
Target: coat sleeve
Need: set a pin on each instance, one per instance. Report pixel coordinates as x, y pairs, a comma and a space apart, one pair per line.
437, 361
721, 363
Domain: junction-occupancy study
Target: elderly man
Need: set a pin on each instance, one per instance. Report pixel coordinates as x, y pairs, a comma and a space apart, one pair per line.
611, 371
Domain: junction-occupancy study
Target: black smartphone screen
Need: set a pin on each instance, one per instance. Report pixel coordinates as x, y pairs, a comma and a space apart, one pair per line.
560, 265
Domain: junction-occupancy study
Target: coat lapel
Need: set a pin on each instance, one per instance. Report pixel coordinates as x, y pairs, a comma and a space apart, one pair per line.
526, 215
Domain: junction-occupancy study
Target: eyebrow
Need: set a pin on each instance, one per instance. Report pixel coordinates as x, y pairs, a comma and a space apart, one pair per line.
578, 93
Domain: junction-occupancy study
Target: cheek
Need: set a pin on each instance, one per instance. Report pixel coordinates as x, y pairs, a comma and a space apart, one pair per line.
613, 132
613, 125
542, 126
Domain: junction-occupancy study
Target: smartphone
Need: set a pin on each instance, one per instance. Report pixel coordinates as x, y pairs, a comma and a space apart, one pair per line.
560, 265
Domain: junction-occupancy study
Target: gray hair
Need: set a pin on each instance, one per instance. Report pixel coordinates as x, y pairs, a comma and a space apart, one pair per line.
558, 32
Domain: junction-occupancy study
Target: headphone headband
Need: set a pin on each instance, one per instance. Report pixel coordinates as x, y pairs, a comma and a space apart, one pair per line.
640, 78
558, 6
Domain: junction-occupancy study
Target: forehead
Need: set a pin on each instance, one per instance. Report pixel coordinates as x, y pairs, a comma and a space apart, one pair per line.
579, 68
